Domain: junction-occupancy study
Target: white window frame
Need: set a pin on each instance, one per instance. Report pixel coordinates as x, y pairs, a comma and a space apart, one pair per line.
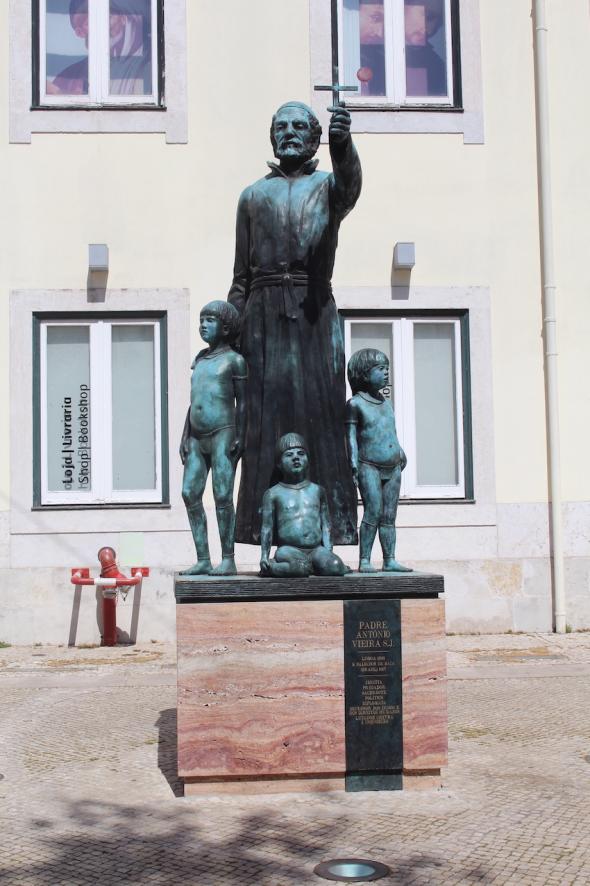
101, 428
402, 333
395, 62
98, 62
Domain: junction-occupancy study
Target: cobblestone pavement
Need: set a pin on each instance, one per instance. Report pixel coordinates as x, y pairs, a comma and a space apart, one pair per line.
89, 793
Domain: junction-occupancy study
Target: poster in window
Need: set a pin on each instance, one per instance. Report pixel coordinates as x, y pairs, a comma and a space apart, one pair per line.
69, 452
66, 42
426, 68
130, 58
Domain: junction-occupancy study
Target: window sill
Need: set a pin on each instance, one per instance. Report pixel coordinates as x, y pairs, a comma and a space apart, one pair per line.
111, 506
408, 120
144, 119
136, 106
432, 501
437, 501
386, 106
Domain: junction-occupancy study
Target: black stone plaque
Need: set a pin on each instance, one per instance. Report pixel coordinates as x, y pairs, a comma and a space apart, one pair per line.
373, 695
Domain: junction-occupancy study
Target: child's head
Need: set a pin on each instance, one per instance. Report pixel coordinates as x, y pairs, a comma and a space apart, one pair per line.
292, 457
289, 441
360, 365
228, 320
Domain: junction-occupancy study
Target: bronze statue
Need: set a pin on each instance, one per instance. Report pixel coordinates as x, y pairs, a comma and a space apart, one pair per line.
286, 237
376, 457
214, 433
295, 513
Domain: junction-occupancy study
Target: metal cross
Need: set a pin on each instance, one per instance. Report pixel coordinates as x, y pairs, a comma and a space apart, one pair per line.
335, 88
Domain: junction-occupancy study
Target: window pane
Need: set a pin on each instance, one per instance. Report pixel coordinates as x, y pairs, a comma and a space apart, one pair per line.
68, 408
364, 45
134, 431
130, 26
373, 335
66, 54
426, 52
436, 406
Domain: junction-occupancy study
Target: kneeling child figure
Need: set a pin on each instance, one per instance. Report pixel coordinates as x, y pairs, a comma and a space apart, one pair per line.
295, 512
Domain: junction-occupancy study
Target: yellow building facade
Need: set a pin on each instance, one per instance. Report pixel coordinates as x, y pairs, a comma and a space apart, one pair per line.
456, 174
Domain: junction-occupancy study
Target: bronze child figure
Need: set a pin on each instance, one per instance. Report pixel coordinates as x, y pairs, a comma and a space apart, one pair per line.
376, 457
214, 434
295, 512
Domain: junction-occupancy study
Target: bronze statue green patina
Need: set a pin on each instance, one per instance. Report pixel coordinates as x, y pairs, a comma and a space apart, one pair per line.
376, 457
295, 512
286, 237
214, 434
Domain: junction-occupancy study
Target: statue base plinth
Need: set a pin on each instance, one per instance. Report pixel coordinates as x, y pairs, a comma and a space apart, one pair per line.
317, 684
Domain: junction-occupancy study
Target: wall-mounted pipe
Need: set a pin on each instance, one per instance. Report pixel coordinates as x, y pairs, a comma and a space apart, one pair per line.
549, 313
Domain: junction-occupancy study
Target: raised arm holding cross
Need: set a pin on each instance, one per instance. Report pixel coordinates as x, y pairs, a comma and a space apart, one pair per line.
340, 121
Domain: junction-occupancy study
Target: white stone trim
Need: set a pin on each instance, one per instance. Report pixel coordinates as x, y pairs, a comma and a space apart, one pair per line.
468, 122
24, 520
23, 121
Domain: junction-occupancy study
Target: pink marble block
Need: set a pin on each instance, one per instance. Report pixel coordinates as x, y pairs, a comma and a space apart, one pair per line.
424, 690
260, 689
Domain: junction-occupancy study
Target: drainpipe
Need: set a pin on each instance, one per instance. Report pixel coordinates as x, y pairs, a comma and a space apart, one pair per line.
549, 313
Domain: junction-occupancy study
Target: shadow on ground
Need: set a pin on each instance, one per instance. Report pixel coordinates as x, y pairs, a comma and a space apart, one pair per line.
168, 750
109, 843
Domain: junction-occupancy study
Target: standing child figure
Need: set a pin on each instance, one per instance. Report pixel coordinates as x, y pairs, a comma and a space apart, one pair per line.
376, 457
214, 434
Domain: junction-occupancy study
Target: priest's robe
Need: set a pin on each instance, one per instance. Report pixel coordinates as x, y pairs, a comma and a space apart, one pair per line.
291, 337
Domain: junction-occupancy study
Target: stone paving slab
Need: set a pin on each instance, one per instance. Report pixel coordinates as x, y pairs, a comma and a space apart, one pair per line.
89, 792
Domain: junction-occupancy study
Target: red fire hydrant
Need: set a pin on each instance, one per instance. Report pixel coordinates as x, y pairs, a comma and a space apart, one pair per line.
110, 579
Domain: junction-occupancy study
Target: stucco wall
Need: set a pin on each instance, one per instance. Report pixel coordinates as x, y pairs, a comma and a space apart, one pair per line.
167, 214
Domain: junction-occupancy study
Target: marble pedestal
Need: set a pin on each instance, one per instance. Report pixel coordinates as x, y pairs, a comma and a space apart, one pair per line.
265, 683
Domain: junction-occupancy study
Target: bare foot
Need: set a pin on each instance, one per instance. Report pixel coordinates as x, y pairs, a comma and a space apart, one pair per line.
201, 567
226, 567
394, 566
365, 566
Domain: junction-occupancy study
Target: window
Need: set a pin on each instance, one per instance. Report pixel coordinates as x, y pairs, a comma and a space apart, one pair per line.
416, 65
98, 52
429, 370
400, 52
100, 410
117, 81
